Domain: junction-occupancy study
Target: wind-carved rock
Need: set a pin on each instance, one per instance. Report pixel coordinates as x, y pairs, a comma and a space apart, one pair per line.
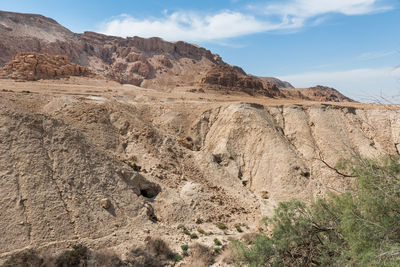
35, 66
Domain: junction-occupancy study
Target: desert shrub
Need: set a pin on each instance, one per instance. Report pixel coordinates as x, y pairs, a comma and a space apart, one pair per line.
27, 258
357, 228
201, 231
185, 248
177, 257
221, 226
249, 238
194, 236
186, 231
77, 256
217, 242
217, 250
239, 229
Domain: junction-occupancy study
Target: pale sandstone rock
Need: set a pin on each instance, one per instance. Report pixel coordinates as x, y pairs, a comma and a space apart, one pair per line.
105, 203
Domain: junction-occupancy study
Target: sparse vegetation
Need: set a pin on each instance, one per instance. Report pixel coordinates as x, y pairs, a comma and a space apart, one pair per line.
194, 236
221, 226
217, 242
358, 228
250, 238
186, 231
185, 248
201, 231
239, 229
177, 257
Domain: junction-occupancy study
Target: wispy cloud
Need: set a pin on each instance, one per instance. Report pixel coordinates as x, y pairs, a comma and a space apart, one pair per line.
377, 54
188, 26
305, 9
263, 17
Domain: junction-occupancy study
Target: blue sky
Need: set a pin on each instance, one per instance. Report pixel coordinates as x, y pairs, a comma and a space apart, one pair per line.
352, 45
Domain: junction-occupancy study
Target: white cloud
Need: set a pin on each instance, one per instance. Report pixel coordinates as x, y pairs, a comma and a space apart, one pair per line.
312, 8
377, 54
359, 84
188, 26
192, 26
299, 12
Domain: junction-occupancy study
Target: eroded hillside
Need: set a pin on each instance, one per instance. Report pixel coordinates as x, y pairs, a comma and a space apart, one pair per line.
164, 160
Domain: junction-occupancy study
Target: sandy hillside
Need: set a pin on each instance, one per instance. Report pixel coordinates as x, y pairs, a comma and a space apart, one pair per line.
160, 160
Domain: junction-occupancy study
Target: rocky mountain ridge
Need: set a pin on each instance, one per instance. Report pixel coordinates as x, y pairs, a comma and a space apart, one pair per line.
150, 63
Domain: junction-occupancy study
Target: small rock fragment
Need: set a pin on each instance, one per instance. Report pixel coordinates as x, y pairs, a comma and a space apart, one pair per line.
264, 194
105, 203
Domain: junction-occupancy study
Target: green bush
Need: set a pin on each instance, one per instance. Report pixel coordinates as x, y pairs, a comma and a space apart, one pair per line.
217, 242
221, 226
185, 231
185, 248
193, 236
357, 228
177, 257
201, 231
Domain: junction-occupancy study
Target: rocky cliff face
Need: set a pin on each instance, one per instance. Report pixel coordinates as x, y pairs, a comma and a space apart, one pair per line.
322, 93
151, 63
280, 84
230, 79
35, 66
33, 33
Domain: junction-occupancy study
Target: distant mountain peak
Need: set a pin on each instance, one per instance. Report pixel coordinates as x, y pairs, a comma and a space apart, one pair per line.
147, 62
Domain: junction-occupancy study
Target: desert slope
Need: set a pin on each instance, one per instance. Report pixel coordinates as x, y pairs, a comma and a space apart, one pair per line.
71, 143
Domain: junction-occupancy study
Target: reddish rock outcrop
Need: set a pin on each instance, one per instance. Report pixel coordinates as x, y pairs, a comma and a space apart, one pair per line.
152, 62
234, 79
35, 66
317, 93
